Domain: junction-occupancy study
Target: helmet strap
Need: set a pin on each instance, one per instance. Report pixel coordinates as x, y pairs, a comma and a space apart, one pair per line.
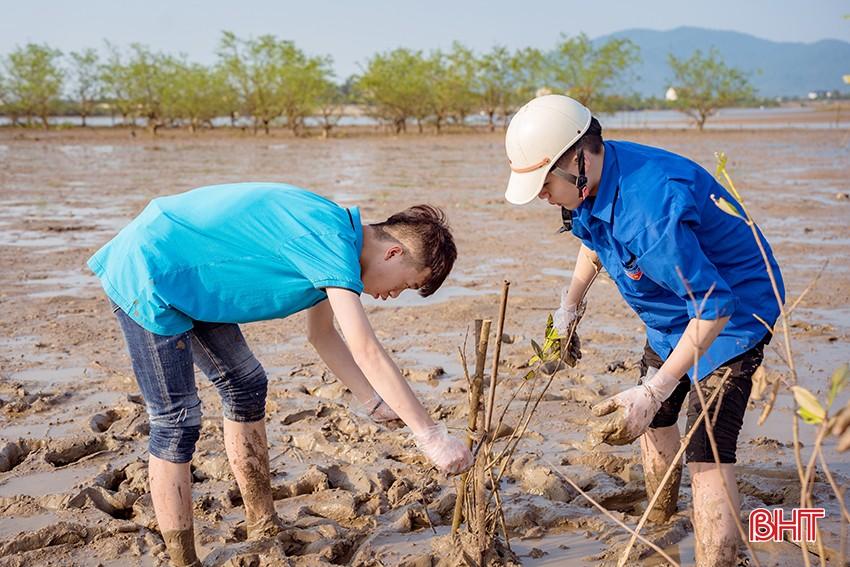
581, 180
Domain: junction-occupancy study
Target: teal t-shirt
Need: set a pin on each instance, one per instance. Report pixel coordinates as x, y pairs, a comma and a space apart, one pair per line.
232, 254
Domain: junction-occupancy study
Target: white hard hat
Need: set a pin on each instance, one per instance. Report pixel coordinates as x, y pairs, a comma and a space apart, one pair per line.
539, 133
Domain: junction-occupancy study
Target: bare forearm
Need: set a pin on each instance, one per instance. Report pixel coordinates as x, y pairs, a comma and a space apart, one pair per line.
587, 265
384, 376
380, 371
698, 336
335, 354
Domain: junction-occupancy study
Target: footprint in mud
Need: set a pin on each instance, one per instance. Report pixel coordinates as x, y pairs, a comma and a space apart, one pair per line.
115, 491
70, 450
13, 454
121, 422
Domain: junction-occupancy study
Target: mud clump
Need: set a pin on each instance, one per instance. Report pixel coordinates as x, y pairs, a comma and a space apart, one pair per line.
447, 552
211, 466
13, 454
337, 505
663, 536
541, 480
424, 375
101, 422
24, 403
66, 451
62, 533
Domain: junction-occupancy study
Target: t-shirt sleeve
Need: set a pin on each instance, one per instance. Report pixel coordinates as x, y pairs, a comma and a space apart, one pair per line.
326, 260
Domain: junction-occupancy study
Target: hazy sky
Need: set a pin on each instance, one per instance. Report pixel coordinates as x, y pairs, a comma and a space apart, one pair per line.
352, 31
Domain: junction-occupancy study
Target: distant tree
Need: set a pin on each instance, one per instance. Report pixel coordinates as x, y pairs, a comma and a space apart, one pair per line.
34, 81
252, 67
302, 80
5, 104
86, 86
493, 82
194, 94
273, 78
117, 83
527, 67
450, 84
440, 84
704, 84
586, 72
331, 106
395, 86
505, 80
150, 74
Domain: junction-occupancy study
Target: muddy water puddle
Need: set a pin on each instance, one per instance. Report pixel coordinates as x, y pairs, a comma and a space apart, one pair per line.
47, 482
56, 225
410, 298
423, 358
556, 549
39, 429
21, 524
52, 376
62, 283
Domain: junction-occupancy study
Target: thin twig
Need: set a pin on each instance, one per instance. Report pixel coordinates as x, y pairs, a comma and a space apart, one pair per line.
497, 351
809, 287
839, 494
610, 516
807, 490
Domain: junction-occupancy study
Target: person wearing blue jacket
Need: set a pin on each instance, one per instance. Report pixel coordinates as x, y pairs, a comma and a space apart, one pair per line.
190, 268
693, 274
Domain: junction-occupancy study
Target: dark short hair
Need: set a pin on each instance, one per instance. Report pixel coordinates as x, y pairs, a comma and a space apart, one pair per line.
590, 141
426, 229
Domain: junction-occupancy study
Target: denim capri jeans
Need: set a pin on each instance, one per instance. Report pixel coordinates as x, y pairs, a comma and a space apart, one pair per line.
164, 369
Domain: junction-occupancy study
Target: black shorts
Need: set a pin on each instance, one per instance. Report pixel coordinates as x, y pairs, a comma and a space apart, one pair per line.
733, 403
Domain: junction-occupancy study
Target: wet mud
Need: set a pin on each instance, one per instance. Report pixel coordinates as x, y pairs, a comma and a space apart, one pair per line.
73, 429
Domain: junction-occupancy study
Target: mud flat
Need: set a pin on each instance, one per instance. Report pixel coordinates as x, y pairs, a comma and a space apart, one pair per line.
73, 433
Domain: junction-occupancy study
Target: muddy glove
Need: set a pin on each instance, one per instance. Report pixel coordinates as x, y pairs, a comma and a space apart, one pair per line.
378, 410
565, 315
631, 411
449, 454
564, 319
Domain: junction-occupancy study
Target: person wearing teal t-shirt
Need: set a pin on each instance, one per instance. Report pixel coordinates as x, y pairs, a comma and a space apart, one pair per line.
191, 267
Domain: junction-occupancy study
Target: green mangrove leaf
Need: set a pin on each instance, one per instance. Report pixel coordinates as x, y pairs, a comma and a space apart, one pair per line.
537, 350
727, 207
721, 163
810, 408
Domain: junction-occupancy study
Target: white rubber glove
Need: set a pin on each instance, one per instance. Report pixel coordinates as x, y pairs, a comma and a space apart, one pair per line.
378, 410
633, 409
564, 316
449, 454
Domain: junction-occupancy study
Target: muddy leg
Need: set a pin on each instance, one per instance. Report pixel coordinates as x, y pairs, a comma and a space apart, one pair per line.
714, 523
247, 451
658, 447
171, 492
